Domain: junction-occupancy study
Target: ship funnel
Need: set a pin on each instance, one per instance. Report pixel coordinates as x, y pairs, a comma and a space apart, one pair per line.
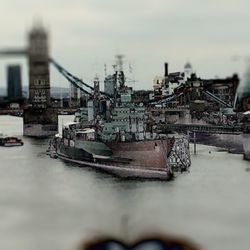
166, 69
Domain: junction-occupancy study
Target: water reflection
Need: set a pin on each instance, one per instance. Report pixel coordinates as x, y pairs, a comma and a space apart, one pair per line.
49, 204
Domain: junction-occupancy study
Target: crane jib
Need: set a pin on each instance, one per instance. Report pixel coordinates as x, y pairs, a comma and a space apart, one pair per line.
74, 80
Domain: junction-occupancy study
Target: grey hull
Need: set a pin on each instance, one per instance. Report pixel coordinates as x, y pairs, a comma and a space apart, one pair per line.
122, 171
149, 159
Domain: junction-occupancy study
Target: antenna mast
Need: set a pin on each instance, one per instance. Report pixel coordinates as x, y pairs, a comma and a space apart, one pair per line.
119, 72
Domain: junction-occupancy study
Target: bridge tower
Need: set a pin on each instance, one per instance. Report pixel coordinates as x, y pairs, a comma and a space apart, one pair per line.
39, 75
40, 119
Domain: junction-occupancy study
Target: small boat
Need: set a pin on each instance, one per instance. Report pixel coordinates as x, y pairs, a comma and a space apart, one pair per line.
10, 141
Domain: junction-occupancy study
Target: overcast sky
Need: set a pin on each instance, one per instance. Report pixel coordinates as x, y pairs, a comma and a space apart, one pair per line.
86, 34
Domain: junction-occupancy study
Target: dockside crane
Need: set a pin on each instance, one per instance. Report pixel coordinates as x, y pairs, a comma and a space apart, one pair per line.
77, 82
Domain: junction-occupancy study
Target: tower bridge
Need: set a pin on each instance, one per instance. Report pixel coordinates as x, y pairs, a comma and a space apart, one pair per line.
41, 119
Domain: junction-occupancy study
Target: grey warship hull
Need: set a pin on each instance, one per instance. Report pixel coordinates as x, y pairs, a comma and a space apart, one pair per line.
122, 171
128, 159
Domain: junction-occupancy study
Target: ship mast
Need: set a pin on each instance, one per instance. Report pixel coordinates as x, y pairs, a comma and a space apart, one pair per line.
120, 78
96, 96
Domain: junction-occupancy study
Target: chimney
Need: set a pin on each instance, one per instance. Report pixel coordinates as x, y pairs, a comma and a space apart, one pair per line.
166, 70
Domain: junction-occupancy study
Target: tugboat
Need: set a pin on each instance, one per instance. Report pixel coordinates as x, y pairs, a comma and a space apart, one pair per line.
7, 141
116, 137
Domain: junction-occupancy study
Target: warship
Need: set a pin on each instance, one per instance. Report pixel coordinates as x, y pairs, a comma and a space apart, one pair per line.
116, 136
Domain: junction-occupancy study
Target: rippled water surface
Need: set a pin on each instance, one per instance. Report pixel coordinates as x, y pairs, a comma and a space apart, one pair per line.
48, 204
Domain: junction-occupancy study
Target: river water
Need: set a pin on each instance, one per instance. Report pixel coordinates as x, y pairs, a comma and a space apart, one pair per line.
48, 204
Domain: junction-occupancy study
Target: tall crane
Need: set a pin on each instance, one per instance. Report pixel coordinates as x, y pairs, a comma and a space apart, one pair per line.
77, 82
